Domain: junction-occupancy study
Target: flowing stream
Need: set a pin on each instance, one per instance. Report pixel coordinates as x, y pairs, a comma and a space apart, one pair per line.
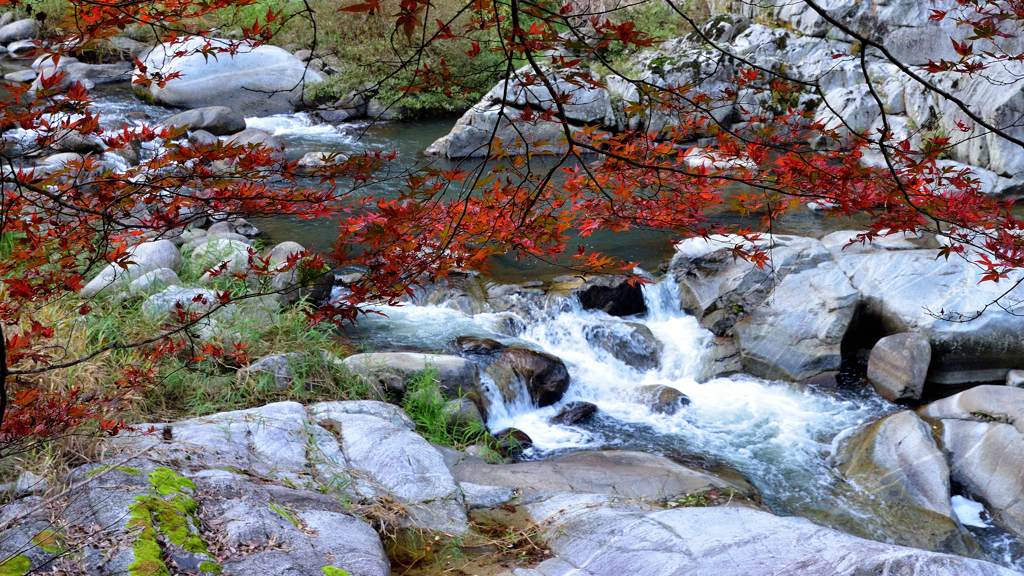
779, 436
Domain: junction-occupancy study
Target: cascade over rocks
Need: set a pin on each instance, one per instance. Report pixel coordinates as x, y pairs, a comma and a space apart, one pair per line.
544, 376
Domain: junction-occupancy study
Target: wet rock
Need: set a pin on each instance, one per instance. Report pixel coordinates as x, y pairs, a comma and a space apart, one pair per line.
544, 376
661, 399
477, 345
510, 442
901, 474
982, 431
216, 120
722, 359
24, 29
253, 82
631, 343
390, 371
145, 257
612, 295
573, 413
898, 366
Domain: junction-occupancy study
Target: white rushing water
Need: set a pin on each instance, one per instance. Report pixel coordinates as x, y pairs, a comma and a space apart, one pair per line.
779, 435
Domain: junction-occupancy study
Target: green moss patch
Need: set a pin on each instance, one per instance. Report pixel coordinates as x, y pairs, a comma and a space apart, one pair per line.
154, 515
16, 566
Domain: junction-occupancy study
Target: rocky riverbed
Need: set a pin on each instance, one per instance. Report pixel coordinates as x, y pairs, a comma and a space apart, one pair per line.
831, 415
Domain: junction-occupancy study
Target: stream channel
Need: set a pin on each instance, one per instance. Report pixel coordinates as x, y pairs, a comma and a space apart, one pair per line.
779, 436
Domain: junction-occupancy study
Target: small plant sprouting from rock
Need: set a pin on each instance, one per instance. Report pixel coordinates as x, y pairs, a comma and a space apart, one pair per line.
425, 404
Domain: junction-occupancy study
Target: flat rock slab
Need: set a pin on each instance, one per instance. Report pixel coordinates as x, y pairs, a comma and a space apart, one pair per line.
591, 538
615, 473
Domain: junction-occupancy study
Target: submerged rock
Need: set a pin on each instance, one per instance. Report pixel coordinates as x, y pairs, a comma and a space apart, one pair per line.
573, 413
510, 442
661, 399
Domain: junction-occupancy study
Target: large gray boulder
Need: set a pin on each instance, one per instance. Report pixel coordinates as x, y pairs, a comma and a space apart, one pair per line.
788, 320
217, 120
625, 474
24, 29
391, 371
272, 528
913, 291
982, 430
389, 459
591, 538
254, 82
903, 26
145, 257
899, 472
898, 366
500, 113
797, 332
